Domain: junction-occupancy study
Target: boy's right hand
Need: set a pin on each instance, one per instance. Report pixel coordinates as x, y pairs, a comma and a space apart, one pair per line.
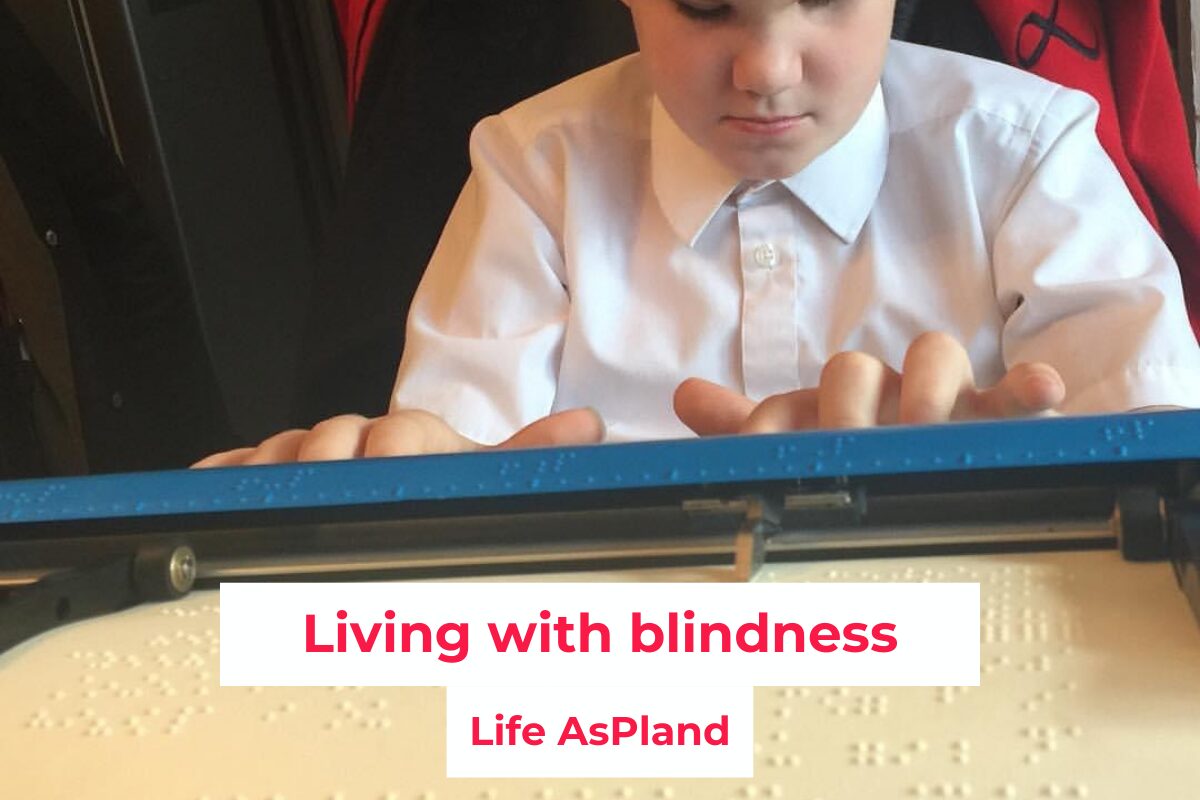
406, 432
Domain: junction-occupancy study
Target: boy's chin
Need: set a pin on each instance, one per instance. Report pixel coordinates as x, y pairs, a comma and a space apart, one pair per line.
770, 166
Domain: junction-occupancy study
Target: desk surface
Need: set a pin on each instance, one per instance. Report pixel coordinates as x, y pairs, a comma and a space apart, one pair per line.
1090, 688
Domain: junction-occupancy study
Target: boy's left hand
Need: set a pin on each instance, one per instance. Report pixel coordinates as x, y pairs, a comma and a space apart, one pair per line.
860, 391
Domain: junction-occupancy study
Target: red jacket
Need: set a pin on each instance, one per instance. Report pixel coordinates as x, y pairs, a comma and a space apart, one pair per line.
359, 21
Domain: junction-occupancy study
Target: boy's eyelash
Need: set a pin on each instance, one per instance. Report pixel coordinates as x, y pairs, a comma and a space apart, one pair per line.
722, 11
706, 14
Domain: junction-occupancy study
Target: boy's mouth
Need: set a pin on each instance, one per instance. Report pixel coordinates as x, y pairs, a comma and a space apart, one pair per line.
765, 125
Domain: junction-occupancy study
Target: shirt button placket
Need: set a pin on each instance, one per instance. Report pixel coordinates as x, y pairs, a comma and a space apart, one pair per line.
769, 344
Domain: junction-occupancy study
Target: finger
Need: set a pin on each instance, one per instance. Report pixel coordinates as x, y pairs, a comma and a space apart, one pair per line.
1026, 389
852, 391
574, 427
335, 439
937, 373
710, 409
411, 432
227, 458
790, 411
280, 448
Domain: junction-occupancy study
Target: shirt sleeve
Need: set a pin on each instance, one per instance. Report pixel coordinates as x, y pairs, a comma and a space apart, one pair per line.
1084, 281
485, 330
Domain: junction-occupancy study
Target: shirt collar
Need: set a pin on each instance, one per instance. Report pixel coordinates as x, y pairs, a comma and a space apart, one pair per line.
840, 186
690, 184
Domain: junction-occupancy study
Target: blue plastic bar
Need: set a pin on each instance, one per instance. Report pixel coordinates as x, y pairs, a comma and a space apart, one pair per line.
1063, 441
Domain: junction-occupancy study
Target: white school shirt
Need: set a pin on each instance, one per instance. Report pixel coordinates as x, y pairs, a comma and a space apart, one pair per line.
598, 257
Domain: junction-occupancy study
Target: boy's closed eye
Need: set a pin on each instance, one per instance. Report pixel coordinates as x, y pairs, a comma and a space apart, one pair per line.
712, 12
706, 13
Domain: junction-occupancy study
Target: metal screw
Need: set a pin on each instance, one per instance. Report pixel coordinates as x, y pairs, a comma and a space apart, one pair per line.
182, 569
117, 400
51, 237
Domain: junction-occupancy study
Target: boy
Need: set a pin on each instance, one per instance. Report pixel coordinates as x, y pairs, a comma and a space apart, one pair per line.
753, 226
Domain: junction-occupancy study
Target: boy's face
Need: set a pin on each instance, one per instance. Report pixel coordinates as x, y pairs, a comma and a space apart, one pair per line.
765, 86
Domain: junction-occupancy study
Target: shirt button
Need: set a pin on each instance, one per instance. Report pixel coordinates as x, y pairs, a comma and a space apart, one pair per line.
765, 255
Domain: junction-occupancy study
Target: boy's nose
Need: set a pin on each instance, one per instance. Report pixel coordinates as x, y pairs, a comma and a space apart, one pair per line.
767, 67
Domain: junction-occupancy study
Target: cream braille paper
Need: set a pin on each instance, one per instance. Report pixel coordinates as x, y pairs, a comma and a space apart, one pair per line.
1090, 688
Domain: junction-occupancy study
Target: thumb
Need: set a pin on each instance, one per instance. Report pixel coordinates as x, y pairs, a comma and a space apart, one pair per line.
1026, 389
573, 427
710, 409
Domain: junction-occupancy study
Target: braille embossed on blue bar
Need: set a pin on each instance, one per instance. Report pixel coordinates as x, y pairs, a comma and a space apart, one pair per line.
1063, 441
